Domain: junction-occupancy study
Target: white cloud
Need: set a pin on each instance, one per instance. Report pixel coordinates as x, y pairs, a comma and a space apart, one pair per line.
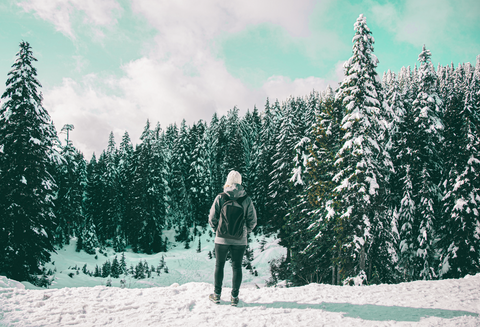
281, 87
417, 22
61, 12
93, 113
180, 78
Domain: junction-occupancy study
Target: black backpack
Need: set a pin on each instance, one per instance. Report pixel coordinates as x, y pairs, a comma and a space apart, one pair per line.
232, 218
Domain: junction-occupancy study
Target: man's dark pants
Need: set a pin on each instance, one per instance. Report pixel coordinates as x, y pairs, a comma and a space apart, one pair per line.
236, 253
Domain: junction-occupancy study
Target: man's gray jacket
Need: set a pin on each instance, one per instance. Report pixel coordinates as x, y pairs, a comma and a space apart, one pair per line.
234, 192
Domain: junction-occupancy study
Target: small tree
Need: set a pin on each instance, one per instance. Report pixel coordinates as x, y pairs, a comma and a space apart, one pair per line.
139, 271
115, 269
123, 265
199, 247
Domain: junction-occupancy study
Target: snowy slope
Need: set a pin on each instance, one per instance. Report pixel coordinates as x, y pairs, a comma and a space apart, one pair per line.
433, 303
184, 266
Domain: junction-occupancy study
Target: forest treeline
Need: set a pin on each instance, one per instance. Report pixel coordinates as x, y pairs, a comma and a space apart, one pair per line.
377, 179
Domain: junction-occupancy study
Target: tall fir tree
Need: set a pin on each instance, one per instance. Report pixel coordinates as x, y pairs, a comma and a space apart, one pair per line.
311, 222
92, 206
420, 172
126, 170
281, 190
361, 162
459, 230
180, 166
199, 176
28, 153
234, 156
263, 162
71, 180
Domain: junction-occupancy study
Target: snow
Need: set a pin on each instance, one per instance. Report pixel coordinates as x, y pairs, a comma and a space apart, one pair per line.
35, 141
180, 298
422, 303
459, 205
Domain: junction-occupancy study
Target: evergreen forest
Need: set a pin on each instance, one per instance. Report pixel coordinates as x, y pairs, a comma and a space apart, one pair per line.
376, 179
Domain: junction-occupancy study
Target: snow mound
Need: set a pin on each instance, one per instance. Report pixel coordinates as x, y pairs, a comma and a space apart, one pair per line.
9, 283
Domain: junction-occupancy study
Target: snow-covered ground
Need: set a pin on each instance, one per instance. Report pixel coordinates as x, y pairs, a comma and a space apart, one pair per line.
434, 303
180, 298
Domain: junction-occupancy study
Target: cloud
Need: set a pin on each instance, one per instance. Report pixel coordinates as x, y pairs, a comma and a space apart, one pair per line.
281, 87
427, 22
93, 113
158, 91
179, 77
62, 12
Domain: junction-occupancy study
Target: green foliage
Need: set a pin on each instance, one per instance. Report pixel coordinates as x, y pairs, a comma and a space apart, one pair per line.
28, 157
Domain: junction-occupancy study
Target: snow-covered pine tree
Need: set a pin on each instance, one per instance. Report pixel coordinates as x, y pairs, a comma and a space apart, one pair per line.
126, 174
199, 175
149, 192
460, 225
180, 165
219, 127
263, 162
311, 223
250, 126
101, 219
282, 191
91, 208
28, 153
420, 171
159, 171
168, 143
71, 180
235, 154
111, 179
210, 154
361, 163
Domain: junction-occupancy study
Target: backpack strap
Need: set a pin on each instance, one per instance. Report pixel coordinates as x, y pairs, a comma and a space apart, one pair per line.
225, 197
240, 200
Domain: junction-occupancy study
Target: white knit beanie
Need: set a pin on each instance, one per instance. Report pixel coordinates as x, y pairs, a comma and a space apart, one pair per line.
233, 177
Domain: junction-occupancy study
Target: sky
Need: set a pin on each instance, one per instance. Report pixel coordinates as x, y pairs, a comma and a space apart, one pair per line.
111, 65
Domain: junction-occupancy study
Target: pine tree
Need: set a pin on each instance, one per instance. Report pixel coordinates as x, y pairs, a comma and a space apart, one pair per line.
149, 192
251, 126
235, 155
420, 171
115, 269
263, 164
199, 175
361, 160
311, 222
139, 271
96, 199
459, 231
71, 180
111, 179
127, 199
106, 269
28, 153
281, 190
91, 208
181, 208
168, 143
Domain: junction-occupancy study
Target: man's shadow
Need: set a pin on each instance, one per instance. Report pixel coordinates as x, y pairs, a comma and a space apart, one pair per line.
369, 311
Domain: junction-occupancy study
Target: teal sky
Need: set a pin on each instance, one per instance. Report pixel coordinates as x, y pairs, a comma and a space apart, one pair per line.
264, 50
110, 65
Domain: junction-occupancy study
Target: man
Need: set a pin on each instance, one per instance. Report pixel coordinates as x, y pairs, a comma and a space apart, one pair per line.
224, 241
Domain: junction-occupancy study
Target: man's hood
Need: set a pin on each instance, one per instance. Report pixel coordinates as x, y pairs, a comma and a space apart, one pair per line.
236, 191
